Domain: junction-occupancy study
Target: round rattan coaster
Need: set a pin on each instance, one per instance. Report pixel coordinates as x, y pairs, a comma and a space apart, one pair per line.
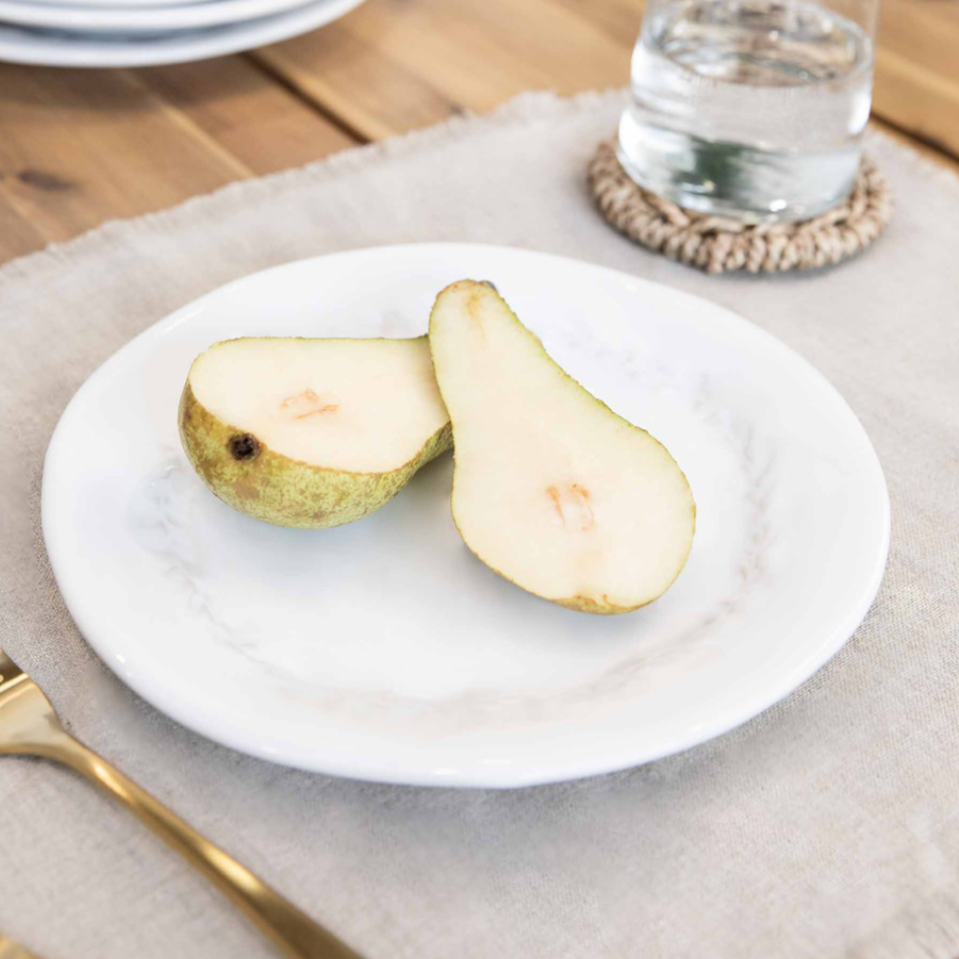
718, 245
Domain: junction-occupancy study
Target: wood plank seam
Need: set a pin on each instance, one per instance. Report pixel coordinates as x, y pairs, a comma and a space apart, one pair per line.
192, 129
294, 89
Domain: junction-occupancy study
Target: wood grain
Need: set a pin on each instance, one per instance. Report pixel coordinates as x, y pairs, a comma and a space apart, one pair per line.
621, 19
917, 70
17, 234
394, 65
941, 159
918, 101
80, 147
243, 111
361, 87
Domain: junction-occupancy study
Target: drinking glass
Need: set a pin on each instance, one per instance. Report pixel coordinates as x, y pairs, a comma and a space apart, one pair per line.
752, 109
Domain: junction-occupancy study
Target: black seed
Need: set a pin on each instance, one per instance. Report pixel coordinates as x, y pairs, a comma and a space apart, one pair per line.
244, 446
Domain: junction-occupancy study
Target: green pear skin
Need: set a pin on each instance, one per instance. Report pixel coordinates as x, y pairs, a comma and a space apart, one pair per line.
246, 474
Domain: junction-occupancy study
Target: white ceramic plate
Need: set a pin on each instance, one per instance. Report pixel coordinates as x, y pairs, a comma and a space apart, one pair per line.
62, 48
141, 19
384, 650
114, 4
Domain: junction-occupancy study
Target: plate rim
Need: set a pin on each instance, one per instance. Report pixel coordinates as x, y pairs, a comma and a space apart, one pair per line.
141, 19
472, 774
176, 46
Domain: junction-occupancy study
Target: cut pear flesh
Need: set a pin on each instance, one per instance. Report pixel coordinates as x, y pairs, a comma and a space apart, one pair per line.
551, 489
311, 432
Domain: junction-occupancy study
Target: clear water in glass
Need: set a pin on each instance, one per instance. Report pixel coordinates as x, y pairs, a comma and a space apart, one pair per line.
747, 108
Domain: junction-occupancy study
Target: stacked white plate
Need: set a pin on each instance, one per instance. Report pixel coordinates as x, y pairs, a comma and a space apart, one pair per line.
136, 33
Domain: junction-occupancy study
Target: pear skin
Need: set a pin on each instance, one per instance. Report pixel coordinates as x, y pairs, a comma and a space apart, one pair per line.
249, 460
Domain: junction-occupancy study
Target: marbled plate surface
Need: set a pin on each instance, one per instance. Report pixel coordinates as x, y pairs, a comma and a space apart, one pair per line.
384, 649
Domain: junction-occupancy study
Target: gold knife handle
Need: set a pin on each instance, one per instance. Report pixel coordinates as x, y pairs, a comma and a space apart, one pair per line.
288, 927
12, 950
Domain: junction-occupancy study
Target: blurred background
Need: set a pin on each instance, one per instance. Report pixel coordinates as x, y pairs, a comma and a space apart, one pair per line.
81, 146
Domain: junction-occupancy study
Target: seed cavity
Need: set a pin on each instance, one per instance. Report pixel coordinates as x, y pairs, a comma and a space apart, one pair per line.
244, 446
571, 501
327, 408
307, 403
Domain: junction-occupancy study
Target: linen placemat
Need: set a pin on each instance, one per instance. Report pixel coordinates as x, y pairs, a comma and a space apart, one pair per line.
825, 828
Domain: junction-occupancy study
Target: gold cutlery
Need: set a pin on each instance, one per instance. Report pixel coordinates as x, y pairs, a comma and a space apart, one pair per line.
29, 727
12, 950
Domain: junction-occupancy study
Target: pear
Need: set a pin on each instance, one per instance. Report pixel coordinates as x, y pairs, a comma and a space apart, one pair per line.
311, 432
551, 489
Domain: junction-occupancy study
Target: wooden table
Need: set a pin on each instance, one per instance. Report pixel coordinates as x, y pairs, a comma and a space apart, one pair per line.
79, 147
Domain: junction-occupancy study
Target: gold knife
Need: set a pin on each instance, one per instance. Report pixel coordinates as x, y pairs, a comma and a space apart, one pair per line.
30, 727
12, 950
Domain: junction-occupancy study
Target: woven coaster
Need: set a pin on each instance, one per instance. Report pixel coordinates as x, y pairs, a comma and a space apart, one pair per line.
717, 245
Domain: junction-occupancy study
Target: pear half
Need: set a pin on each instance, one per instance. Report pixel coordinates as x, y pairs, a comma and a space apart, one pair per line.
311, 432
551, 489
